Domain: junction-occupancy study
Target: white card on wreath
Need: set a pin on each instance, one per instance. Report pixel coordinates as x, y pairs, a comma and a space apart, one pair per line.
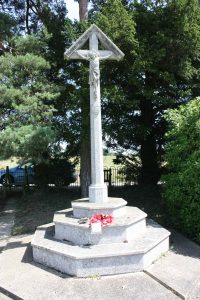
96, 228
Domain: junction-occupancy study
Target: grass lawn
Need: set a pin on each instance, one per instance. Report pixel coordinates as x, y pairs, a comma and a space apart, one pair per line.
147, 198
108, 161
38, 207
12, 162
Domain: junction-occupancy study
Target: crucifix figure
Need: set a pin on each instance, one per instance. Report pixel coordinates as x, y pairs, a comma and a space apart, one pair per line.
94, 57
97, 190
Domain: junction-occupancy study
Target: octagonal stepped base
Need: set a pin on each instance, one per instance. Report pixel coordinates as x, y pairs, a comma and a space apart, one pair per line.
102, 259
113, 206
123, 229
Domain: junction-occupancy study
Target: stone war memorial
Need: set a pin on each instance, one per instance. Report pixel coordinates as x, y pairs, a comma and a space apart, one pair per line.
99, 235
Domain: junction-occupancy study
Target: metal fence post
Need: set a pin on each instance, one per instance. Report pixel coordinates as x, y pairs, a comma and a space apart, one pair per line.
7, 177
26, 182
110, 177
114, 176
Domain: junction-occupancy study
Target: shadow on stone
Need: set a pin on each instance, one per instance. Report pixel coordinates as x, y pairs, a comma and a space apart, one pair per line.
183, 246
9, 294
28, 254
1, 249
13, 245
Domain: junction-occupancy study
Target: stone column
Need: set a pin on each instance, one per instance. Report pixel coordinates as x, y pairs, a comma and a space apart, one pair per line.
98, 192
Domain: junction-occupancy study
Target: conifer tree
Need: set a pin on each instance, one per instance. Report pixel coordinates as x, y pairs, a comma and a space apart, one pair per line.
159, 71
26, 97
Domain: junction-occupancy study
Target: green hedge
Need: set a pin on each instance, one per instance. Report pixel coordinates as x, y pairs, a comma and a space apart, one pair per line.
182, 181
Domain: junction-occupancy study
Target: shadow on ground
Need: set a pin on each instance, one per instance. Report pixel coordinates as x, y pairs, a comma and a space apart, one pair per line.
182, 246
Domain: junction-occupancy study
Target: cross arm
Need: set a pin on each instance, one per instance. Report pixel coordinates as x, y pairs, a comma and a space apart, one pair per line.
78, 54
83, 54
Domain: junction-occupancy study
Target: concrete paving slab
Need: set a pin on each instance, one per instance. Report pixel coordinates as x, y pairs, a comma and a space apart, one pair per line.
6, 224
180, 268
3, 243
3, 297
7, 217
21, 277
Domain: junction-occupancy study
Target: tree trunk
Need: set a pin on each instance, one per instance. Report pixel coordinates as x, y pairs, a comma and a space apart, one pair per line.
150, 172
83, 10
85, 156
27, 15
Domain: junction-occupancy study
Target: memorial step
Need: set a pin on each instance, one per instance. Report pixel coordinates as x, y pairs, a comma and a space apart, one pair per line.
122, 229
102, 259
112, 206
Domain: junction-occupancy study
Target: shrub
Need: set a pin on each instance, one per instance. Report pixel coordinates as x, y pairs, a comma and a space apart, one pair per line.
182, 181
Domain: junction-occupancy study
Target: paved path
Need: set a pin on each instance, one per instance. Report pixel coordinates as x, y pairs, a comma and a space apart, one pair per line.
175, 275
7, 217
180, 268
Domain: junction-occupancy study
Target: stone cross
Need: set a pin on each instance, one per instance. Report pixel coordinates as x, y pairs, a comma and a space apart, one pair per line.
97, 190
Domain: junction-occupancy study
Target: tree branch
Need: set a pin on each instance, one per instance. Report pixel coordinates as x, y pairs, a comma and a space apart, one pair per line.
27, 14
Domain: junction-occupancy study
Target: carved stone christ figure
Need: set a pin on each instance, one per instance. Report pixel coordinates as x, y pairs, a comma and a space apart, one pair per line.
94, 57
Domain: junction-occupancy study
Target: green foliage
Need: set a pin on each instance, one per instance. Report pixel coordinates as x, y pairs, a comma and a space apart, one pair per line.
30, 15
29, 142
182, 185
26, 97
6, 24
118, 24
37, 45
160, 70
117, 78
34, 80
131, 167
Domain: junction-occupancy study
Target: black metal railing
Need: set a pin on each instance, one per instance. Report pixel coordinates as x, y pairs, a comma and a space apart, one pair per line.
113, 176
24, 177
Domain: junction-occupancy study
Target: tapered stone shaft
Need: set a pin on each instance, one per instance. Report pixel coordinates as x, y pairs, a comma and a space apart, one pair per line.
97, 190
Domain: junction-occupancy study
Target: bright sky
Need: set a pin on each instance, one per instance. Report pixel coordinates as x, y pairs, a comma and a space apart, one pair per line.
73, 10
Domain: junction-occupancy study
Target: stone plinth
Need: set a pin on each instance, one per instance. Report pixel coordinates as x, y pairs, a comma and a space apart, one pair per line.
126, 245
121, 230
103, 259
84, 208
98, 193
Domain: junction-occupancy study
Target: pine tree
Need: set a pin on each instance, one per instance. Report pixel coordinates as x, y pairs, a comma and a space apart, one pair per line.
26, 109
